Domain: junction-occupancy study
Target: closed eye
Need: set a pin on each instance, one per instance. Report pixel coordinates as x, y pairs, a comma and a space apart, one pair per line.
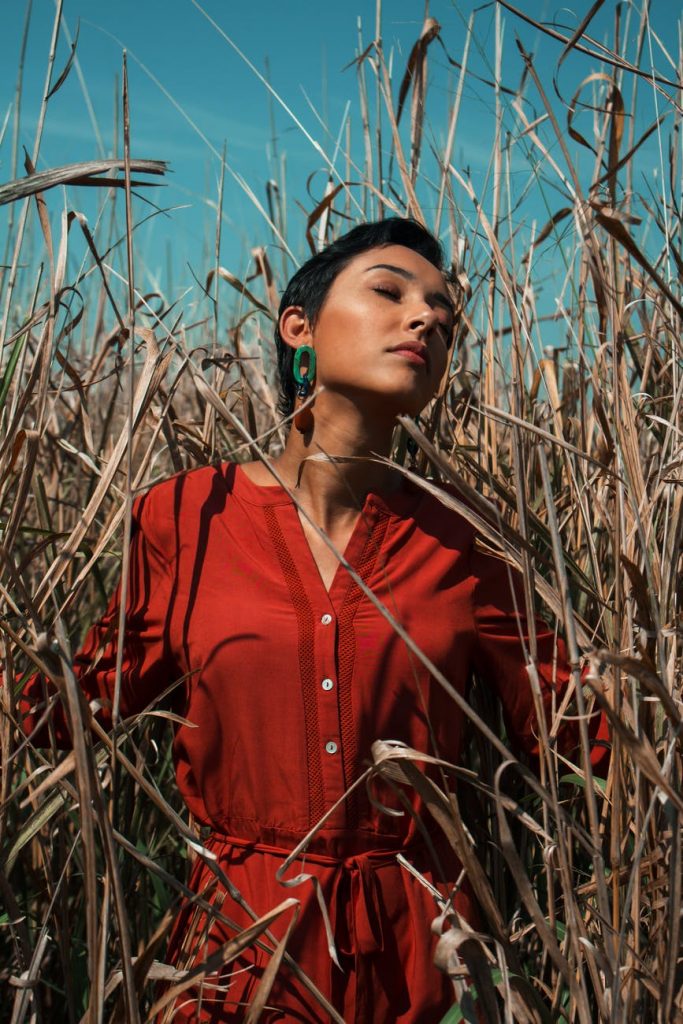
445, 330
387, 291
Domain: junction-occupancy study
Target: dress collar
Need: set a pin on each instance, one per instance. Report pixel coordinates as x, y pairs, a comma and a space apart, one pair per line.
401, 503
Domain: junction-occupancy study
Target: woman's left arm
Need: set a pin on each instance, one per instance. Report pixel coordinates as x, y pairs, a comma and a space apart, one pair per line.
502, 654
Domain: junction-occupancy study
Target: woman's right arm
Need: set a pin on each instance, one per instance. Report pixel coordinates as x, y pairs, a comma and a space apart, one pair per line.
148, 666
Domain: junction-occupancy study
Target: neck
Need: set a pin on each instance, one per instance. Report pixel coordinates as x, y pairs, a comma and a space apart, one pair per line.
335, 488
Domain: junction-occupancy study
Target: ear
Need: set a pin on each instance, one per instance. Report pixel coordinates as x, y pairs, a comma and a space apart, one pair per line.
295, 329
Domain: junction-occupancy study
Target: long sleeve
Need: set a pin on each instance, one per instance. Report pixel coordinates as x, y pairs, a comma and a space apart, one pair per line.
502, 650
148, 665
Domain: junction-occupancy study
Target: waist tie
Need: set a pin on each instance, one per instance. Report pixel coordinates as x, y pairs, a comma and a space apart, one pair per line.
355, 888
358, 874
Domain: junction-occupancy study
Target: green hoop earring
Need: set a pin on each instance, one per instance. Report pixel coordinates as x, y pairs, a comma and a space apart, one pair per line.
304, 376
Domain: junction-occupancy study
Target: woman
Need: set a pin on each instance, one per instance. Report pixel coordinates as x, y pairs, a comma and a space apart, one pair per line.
291, 671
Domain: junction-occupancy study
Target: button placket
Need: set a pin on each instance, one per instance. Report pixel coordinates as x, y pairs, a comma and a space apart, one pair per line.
328, 708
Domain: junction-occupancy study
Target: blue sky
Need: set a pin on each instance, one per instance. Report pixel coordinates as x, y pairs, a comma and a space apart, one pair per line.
308, 48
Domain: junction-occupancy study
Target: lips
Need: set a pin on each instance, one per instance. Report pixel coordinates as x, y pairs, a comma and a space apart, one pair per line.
413, 351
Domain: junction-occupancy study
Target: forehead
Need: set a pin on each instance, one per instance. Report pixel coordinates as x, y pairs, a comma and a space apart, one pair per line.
396, 256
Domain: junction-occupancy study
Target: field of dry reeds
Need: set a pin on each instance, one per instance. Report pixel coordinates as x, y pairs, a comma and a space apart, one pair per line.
561, 406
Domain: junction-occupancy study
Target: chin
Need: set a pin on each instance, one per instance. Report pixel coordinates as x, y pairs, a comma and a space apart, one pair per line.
391, 402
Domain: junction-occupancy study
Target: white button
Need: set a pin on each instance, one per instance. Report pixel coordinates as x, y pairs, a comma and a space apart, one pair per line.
331, 747
327, 684
326, 619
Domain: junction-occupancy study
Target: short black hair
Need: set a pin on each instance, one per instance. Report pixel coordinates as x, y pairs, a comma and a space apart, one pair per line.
309, 286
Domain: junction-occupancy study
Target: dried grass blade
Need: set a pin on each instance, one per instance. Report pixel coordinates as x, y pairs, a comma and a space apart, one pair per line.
446, 812
27, 980
152, 372
67, 67
239, 286
579, 31
228, 952
640, 749
614, 226
614, 60
41, 181
265, 985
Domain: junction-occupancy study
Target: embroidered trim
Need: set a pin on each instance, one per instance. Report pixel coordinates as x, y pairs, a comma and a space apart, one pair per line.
305, 624
346, 653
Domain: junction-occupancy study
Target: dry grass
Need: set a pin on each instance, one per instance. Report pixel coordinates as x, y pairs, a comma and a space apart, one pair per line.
103, 390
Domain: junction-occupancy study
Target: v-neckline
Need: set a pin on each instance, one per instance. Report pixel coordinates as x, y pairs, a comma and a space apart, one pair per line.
399, 504
361, 531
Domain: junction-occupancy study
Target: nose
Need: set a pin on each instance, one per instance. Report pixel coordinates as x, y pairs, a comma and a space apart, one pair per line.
422, 318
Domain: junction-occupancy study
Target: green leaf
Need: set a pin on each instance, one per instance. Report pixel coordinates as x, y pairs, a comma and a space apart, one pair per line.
32, 827
456, 1014
578, 780
10, 368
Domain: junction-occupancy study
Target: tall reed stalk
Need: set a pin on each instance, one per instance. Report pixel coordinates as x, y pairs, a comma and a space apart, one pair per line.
574, 449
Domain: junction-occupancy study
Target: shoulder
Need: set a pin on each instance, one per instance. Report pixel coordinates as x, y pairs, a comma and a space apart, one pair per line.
462, 499
448, 503
162, 507
456, 510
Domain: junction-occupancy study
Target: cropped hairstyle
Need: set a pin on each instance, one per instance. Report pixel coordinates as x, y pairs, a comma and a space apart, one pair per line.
309, 286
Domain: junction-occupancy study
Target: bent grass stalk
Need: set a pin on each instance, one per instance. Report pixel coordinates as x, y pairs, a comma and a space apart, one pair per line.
568, 459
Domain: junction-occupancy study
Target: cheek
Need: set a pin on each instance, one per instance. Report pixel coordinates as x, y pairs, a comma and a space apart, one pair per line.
347, 345
344, 359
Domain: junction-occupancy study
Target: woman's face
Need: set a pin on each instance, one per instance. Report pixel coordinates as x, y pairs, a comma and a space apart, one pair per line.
383, 332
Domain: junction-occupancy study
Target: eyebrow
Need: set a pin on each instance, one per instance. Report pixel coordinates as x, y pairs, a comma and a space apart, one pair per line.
439, 297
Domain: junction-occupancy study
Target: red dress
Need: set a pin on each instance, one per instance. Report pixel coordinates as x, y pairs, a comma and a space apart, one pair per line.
288, 686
